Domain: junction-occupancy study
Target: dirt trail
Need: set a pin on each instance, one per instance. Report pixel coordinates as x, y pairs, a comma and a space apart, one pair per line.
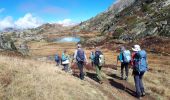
113, 86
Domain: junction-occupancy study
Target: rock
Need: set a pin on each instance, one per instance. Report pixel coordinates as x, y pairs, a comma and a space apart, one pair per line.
95, 40
164, 22
23, 49
6, 43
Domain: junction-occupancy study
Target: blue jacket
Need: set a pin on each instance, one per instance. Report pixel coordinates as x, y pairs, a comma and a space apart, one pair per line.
120, 57
64, 57
92, 55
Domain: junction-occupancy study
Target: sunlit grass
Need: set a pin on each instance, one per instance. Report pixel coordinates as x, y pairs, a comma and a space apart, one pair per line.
156, 80
22, 79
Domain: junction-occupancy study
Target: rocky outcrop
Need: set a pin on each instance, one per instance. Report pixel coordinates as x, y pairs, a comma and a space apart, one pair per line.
104, 21
6, 43
132, 20
95, 41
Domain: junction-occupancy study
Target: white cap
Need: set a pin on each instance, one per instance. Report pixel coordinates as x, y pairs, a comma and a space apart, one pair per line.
136, 48
78, 45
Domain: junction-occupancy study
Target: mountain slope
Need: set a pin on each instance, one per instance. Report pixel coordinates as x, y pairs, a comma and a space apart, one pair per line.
98, 22
23, 79
130, 23
137, 18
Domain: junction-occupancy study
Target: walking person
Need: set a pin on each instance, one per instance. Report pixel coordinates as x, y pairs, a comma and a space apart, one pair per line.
140, 66
65, 61
98, 61
81, 59
57, 59
92, 55
125, 58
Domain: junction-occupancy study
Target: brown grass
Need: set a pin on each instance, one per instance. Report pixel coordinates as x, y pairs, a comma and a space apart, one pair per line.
32, 80
156, 80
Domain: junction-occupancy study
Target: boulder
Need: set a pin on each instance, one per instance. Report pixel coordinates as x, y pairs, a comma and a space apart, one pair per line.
6, 43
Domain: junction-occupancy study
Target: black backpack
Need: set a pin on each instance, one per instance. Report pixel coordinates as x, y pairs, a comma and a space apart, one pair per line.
97, 57
80, 55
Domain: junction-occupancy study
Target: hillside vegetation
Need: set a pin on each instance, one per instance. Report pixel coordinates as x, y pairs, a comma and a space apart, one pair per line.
23, 79
132, 21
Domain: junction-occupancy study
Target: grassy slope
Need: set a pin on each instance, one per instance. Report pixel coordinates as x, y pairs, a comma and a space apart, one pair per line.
156, 79
32, 80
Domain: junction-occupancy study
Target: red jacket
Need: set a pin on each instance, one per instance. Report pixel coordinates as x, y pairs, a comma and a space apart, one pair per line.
132, 59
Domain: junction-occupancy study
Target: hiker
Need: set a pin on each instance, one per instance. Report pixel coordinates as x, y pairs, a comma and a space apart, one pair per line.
92, 58
125, 58
98, 62
140, 66
65, 61
81, 59
57, 59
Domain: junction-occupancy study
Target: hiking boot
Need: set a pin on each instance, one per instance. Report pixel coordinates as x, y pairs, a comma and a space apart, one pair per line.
139, 98
126, 78
143, 93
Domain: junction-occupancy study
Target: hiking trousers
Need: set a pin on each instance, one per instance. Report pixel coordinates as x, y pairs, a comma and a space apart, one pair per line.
98, 72
80, 65
66, 67
138, 83
124, 65
92, 63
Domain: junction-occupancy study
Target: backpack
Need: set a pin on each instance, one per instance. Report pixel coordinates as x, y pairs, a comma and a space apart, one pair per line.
99, 58
126, 56
140, 61
92, 56
80, 55
64, 58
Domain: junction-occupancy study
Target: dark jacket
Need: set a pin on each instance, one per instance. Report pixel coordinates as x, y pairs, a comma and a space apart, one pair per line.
96, 58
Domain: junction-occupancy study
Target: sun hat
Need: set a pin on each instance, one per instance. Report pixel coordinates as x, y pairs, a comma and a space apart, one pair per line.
78, 45
136, 48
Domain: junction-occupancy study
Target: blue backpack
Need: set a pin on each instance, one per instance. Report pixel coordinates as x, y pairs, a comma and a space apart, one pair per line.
63, 57
92, 56
126, 56
80, 55
140, 61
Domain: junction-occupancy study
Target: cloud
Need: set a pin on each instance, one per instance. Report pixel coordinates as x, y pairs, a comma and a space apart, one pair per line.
27, 21
6, 22
2, 10
67, 22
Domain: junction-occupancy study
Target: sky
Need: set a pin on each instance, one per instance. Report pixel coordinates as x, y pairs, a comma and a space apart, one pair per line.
32, 13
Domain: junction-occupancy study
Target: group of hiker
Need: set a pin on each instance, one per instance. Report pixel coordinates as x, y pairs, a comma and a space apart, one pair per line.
80, 58
137, 59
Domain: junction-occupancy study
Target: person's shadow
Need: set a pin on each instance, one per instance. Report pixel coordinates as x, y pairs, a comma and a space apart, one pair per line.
93, 76
121, 85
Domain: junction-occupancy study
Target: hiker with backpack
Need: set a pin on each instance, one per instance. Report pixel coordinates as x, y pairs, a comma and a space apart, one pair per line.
65, 61
81, 59
92, 55
140, 66
125, 58
99, 62
57, 59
